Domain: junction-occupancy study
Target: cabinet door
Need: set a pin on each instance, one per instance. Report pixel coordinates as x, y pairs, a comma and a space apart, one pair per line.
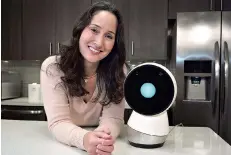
11, 29
226, 5
38, 29
122, 6
189, 6
147, 30
67, 12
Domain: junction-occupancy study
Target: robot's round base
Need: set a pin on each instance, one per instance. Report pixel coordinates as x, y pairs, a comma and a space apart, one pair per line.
142, 140
146, 146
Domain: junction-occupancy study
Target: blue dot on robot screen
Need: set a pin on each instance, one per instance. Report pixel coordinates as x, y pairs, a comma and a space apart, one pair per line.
148, 90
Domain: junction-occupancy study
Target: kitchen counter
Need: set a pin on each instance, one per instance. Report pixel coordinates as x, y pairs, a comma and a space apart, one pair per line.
33, 137
22, 101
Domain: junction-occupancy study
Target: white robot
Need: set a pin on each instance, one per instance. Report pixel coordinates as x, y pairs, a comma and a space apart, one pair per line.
150, 90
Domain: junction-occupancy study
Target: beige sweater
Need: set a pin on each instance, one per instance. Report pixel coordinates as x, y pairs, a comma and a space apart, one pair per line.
66, 114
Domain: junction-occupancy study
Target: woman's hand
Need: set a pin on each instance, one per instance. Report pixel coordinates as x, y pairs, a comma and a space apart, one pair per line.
103, 129
98, 138
105, 148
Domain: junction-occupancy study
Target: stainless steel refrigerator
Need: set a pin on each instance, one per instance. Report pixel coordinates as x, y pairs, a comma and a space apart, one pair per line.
203, 71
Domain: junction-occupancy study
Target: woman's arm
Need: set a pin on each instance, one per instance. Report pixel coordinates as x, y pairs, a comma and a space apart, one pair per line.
113, 116
56, 106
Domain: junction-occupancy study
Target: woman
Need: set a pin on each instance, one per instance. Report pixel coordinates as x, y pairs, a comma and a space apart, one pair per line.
83, 85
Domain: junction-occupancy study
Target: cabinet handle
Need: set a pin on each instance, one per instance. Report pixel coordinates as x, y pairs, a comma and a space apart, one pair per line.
221, 5
132, 48
50, 49
58, 47
211, 5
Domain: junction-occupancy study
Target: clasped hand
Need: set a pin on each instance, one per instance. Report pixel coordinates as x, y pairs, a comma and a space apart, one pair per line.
99, 142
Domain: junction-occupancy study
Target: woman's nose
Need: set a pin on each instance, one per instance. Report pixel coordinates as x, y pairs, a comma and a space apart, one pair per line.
99, 41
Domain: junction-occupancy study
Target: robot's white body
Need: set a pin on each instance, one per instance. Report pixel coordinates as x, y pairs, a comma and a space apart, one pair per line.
150, 131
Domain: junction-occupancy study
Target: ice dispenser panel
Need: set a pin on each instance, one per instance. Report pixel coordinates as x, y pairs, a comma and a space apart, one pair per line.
192, 66
197, 76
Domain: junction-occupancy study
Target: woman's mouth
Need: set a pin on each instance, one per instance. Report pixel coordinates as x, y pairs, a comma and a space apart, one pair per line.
95, 51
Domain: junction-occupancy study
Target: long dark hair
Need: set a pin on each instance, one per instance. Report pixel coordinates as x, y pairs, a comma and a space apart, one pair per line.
110, 72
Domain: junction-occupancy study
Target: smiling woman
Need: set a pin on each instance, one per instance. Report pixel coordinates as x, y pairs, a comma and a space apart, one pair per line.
83, 85
97, 39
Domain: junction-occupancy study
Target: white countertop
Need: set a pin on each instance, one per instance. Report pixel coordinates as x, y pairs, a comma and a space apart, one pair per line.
22, 101
33, 137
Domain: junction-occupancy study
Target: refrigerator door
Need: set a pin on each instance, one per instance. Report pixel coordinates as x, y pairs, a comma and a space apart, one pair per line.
198, 39
225, 97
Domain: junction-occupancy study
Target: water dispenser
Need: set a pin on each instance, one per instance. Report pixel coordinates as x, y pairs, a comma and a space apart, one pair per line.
197, 76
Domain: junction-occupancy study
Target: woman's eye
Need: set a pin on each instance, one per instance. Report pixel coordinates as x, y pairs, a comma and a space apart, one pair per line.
94, 30
109, 36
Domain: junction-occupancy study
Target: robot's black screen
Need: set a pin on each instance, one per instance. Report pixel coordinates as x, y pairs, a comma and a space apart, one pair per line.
153, 75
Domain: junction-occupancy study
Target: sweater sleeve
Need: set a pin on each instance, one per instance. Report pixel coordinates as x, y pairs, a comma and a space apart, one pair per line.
113, 118
56, 106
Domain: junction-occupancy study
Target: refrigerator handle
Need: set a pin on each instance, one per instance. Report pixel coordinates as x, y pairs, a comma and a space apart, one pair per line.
216, 77
226, 72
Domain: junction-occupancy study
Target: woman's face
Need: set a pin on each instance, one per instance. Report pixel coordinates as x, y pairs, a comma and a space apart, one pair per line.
98, 38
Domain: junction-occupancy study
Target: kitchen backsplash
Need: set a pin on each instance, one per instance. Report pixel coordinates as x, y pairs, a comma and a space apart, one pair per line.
30, 71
